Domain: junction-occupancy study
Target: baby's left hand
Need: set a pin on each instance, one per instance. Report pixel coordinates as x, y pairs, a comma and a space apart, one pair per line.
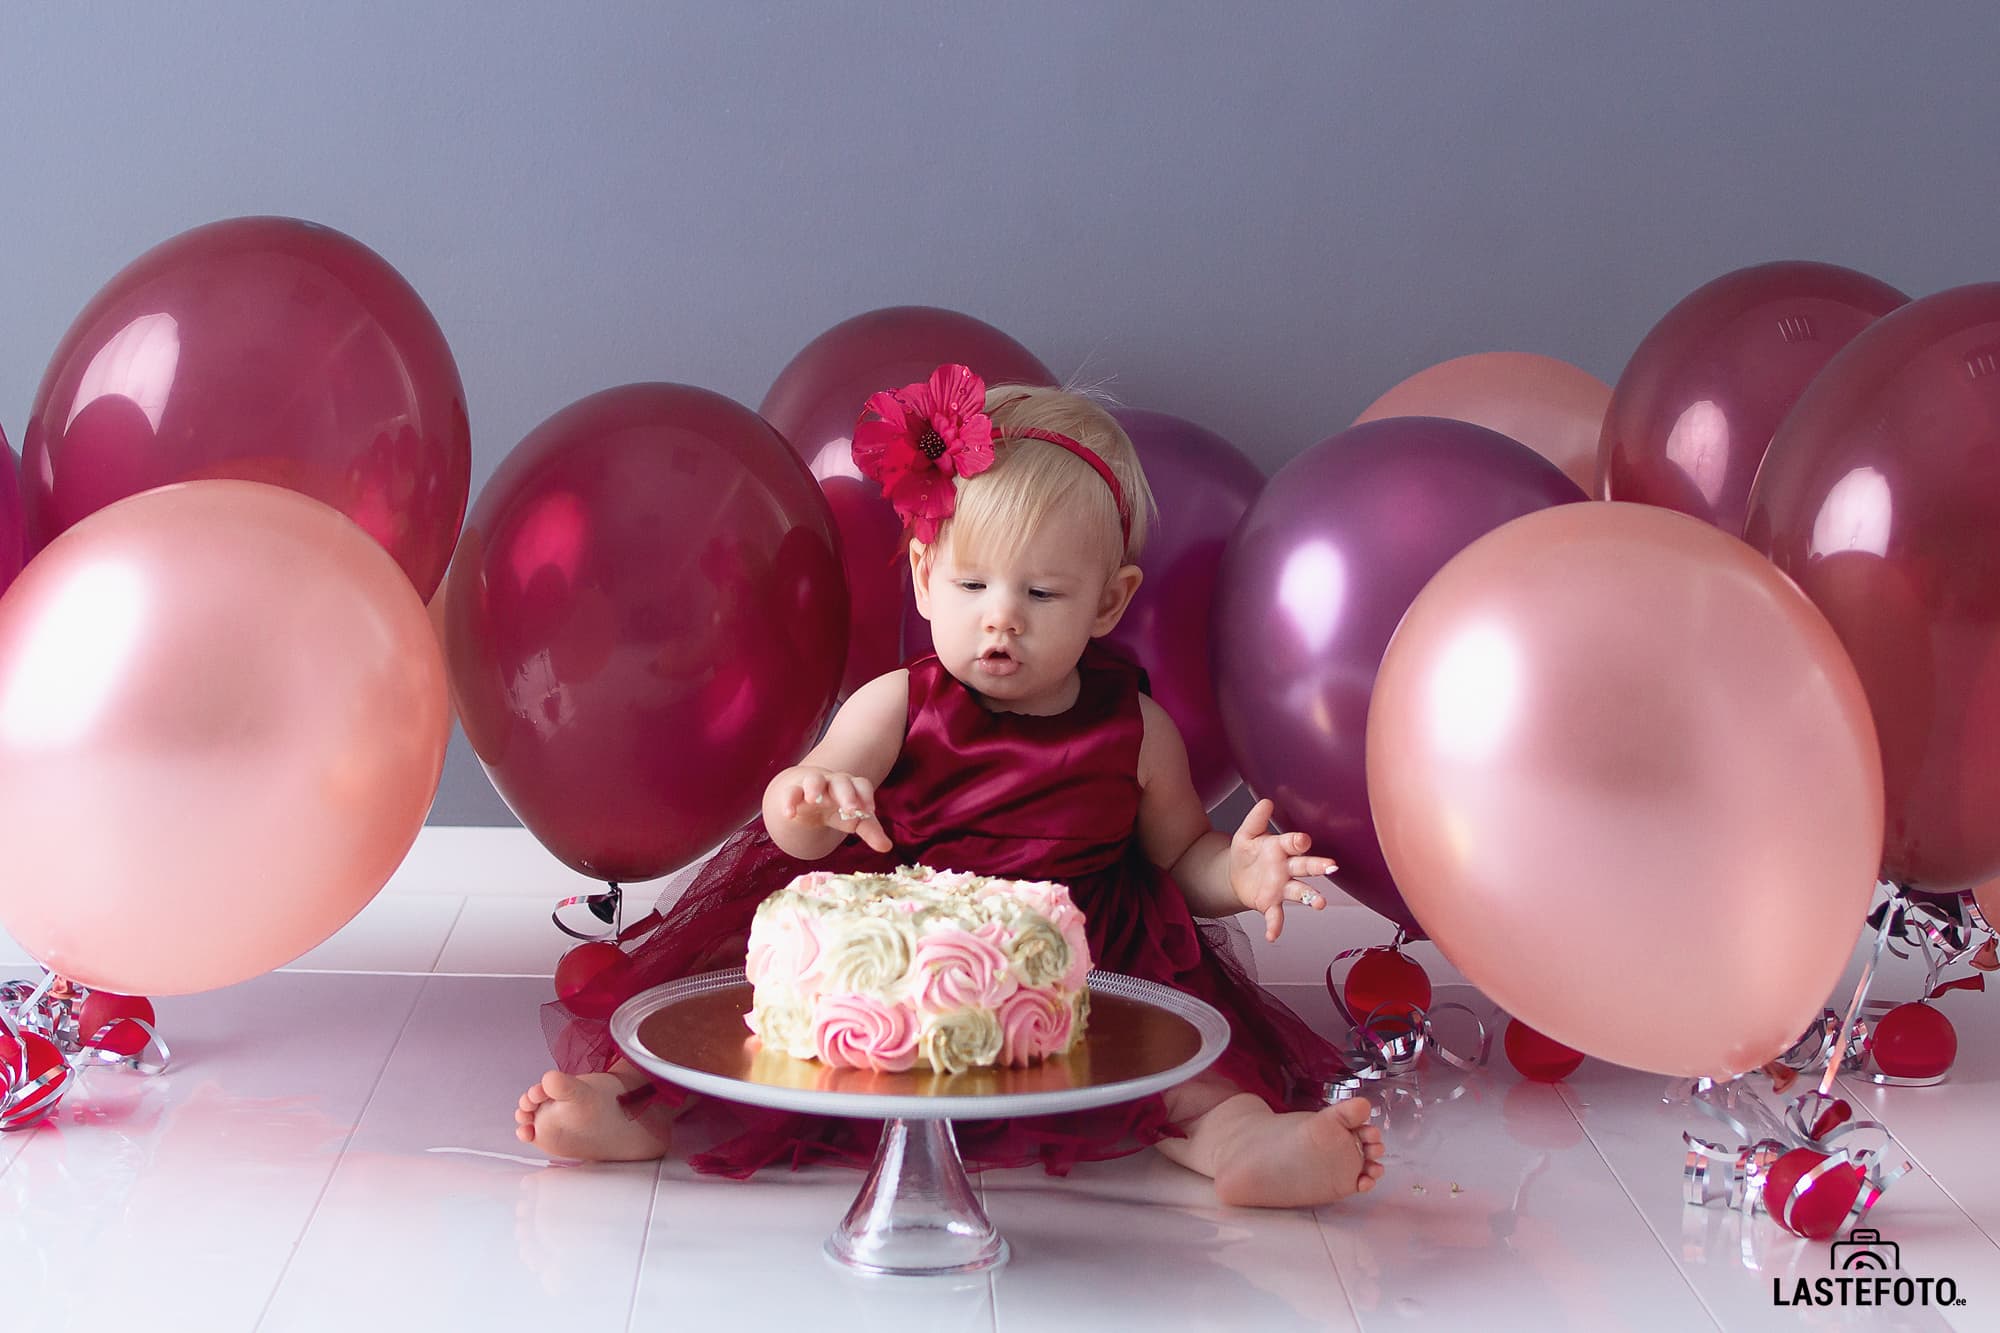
1266, 868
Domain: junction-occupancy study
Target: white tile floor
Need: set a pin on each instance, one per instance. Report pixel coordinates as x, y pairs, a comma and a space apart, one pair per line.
333, 1149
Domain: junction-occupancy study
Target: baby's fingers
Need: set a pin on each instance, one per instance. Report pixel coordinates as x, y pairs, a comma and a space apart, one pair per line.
811, 792
848, 795
1274, 921
871, 831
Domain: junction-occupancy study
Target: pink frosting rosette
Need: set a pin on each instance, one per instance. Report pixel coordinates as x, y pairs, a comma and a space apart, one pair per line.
1034, 1024
787, 949
857, 1032
961, 970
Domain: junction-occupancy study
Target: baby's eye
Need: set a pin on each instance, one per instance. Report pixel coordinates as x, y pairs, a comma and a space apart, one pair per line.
1042, 594
971, 585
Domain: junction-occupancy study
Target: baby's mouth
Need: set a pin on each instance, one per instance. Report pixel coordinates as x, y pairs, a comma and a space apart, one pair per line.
998, 662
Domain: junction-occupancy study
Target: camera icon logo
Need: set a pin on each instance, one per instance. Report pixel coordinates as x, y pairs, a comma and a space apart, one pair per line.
1864, 1249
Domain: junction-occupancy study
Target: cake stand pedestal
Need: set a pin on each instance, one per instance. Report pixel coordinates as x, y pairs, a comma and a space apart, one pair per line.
917, 1214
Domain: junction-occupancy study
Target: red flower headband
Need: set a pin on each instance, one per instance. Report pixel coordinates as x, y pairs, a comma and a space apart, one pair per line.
924, 434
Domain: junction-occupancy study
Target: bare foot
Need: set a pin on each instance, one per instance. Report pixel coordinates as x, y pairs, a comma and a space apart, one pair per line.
578, 1116
1300, 1159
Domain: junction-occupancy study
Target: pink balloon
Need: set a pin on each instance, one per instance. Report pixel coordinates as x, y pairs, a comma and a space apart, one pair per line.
264, 349
814, 404
1549, 405
221, 724
645, 621
1696, 406
1626, 778
12, 539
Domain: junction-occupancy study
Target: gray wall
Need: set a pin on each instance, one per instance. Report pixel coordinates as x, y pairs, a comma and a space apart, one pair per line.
1258, 216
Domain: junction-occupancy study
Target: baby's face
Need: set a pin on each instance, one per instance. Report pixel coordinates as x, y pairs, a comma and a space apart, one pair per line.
1012, 628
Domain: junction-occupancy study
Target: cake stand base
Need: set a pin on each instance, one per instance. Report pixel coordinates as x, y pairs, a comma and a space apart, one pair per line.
917, 1214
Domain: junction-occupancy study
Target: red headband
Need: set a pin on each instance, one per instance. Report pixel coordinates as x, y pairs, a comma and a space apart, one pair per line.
923, 435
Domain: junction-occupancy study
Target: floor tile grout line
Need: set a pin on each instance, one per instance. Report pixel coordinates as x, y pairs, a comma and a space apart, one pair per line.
445, 943
1565, 1092
361, 1114
1854, 1099
1326, 1243
645, 1241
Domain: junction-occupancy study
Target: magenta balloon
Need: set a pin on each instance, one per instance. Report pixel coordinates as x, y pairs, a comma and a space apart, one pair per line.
12, 539
1696, 406
645, 621
1881, 498
264, 349
1203, 485
814, 404
1313, 583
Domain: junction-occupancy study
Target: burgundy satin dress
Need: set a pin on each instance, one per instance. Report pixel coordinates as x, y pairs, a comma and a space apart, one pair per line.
1004, 794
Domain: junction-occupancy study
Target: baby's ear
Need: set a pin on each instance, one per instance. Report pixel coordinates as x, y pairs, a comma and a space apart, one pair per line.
920, 576
1118, 591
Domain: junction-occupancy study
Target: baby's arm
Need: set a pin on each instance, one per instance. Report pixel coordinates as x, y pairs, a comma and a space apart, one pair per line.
803, 805
1218, 875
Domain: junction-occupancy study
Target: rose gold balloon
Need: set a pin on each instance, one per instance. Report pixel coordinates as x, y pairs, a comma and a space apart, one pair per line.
1627, 779
1548, 405
221, 724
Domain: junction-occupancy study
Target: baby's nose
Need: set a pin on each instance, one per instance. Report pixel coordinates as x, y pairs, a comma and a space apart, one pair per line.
1003, 614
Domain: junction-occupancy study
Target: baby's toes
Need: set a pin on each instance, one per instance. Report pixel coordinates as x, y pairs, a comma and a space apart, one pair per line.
1354, 1112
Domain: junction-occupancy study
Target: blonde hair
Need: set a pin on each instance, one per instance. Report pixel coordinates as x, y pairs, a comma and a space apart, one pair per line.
997, 511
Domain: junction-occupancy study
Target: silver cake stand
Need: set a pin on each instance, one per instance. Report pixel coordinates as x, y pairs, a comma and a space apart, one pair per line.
917, 1214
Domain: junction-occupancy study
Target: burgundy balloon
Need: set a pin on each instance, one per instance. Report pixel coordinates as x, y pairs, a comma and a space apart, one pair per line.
814, 404
1881, 498
1693, 412
1312, 585
13, 539
645, 621
264, 349
1203, 485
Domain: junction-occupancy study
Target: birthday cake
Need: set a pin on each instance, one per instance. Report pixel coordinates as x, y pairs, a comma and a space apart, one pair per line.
952, 970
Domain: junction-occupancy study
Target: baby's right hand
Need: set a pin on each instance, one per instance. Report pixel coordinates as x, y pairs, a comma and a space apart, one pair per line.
819, 798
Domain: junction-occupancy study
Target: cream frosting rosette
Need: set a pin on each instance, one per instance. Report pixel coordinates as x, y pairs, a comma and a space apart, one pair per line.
1037, 950
784, 1024
866, 954
955, 1042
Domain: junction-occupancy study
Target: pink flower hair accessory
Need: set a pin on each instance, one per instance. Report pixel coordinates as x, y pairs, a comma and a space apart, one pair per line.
915, 440
919, 438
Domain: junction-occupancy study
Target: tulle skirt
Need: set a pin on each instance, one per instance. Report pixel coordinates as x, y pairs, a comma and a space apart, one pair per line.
1138, 924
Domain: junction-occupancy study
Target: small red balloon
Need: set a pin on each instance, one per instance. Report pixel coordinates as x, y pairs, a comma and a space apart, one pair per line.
1914, 1041
43, 1057
102, 1009
1817, 1213
1537, 1056
1387, 984
592, 979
